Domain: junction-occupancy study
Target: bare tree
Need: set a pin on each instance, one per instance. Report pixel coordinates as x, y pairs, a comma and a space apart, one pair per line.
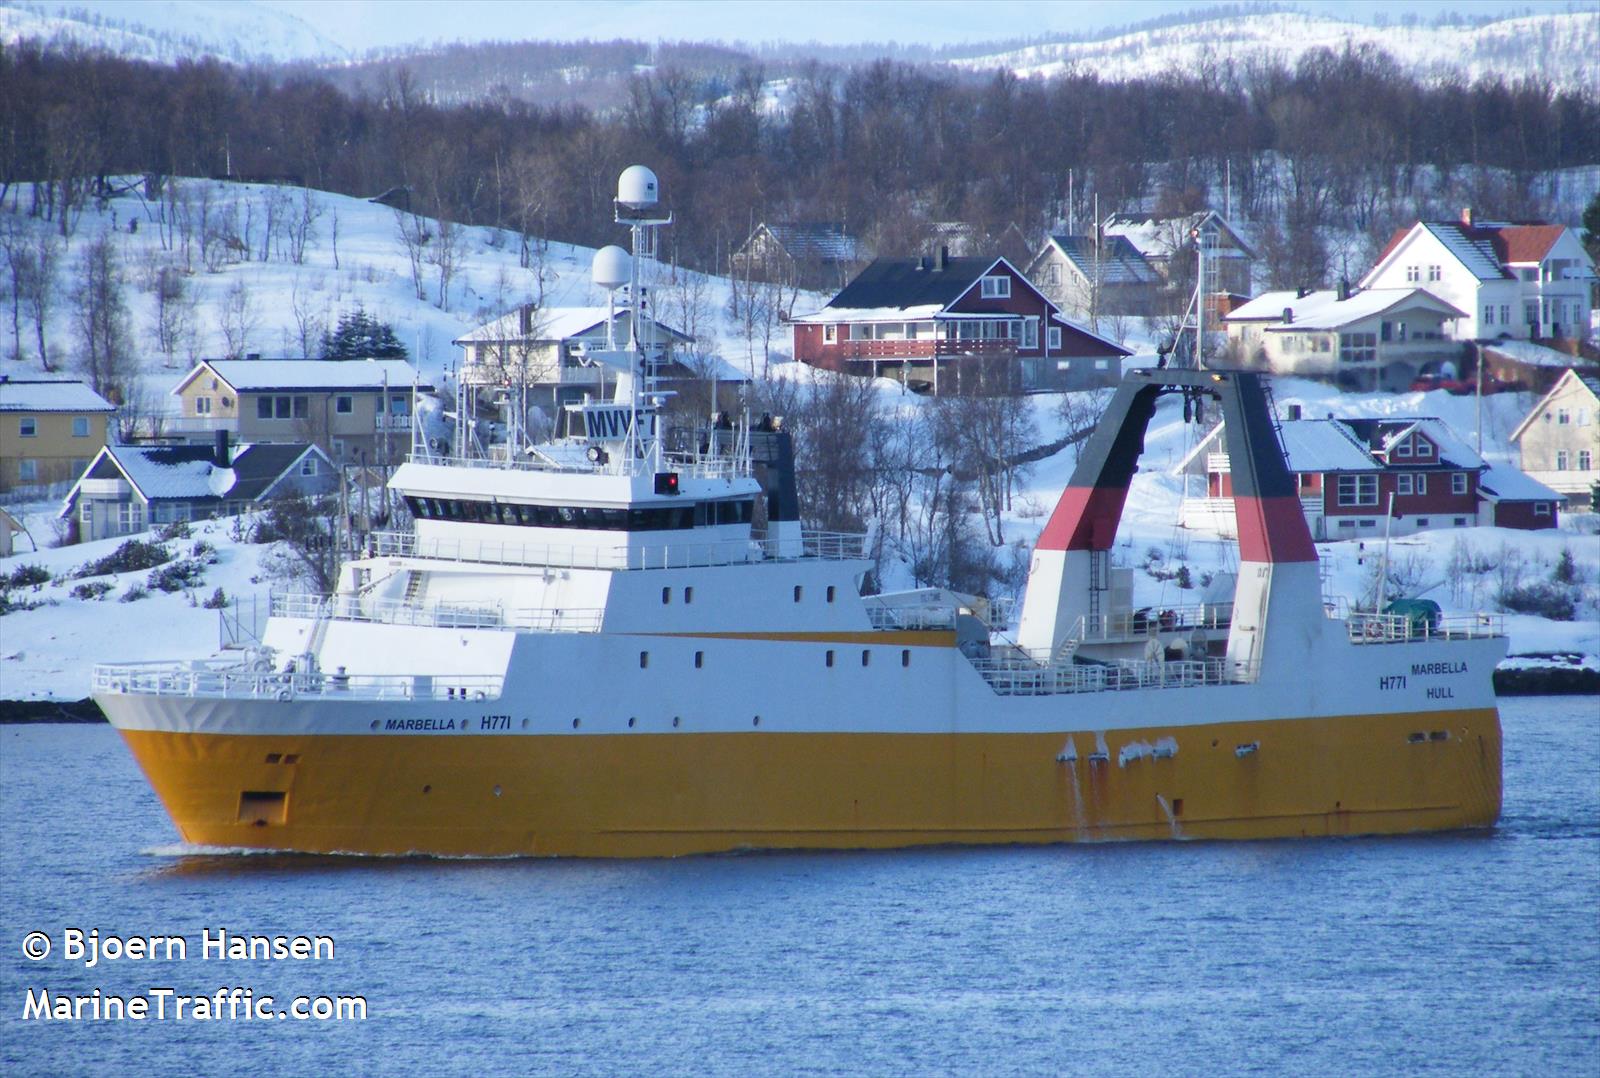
412, 232
333, 234
446, 255
1080, 412
309, 326
14, 249
175, 308
237, 319
302, 229
105, 354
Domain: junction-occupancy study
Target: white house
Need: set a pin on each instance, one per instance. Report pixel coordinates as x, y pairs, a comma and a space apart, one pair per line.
1363, 339
1512, 280
1559, 441
1160, 239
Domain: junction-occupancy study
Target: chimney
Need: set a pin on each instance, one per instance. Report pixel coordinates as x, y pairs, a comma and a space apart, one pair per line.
1466, 216
944, 258
1288, 315
1294, 412
525, 319
1344, 289
221, 457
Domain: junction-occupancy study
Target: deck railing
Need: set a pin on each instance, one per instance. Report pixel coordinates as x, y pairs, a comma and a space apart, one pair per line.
826, 546
243, 681
1410, 629
439, 615
1019, 677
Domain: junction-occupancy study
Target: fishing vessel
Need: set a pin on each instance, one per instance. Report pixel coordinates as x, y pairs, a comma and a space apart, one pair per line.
623, 643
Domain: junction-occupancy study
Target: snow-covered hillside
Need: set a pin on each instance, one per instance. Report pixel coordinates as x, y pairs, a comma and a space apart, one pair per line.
1563, 48
169, 30
353, 257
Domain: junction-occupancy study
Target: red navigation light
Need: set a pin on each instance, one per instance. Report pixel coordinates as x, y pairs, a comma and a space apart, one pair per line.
666, 482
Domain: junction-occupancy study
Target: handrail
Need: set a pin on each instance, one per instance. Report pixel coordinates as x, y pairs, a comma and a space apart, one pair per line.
825, 546
235, 680
441, 615
1019, 677
1407, 629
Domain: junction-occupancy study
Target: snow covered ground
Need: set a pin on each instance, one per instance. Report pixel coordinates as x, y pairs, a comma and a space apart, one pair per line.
47, 652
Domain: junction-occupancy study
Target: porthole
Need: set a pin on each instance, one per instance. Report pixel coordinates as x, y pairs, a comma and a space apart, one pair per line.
866, 657
828, 657
756, 721
524, 724
666, 596
905, 656
644, 660
798, 592
688, 595
427, 789
497, 791
675, 721
631, 720
575, 723
699, 660
830, 593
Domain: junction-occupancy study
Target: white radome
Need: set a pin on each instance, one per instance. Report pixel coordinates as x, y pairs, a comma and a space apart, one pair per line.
636, 188
611, 267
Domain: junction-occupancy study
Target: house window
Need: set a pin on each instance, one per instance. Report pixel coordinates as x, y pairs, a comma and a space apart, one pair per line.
1421, 484
1505, 314
1563, 417
1030, 333
860, 331
1413, 274
344, 405
1358, 490
80, 426
996, 287
1562, 460
1530, 312
397, 406
28, 426
1404, 448
1541, 509
28, 471
1488, 314
1055, 338
308, 466
1585, 460
130, 516
1402, 484
1433, 273
1458, 483
263, 407
1424, 447
830, 334
202, 406
1358, 347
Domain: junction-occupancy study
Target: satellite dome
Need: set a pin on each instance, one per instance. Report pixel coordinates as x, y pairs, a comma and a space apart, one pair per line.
611, 268
636, 188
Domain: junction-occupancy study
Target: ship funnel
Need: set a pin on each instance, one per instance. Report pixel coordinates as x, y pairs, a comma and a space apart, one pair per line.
611, 268
636, 188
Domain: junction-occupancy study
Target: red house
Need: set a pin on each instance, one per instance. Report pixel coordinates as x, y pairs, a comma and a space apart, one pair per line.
1352, 473
936, 321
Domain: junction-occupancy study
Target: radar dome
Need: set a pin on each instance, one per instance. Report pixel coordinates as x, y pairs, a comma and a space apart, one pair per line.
611, 268
636, 188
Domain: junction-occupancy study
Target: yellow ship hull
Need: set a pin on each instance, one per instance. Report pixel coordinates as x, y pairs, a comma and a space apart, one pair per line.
659, 795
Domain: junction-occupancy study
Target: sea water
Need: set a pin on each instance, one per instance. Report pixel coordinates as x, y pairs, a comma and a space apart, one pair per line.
1445, 954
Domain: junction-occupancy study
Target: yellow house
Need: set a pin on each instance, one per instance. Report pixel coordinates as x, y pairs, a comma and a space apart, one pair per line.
49, 430
352, 409
1559, 440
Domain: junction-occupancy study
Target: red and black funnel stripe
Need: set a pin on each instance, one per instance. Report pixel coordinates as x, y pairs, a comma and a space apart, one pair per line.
1272, 525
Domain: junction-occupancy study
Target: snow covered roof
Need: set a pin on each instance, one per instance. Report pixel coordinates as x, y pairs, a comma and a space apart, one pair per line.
1531, 354
918, 312
553, 324
50, 395
1154, 235
1503, 483
246, 375
1324, 310
1120, 261
1382, 434
1309, 445
1485, 248
819, 240
190, 472
908, 284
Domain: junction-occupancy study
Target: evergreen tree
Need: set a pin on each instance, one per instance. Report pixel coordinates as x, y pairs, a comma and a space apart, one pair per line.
1591, 227
361, 336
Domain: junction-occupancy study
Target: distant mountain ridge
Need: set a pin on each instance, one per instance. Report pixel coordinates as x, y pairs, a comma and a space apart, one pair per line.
166, 31
1563, 48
